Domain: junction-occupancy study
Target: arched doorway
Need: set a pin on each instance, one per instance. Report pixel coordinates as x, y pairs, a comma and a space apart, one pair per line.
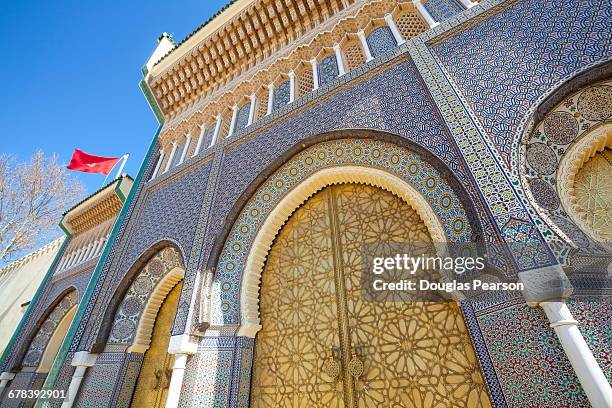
154, 378
321, 345
56, 341
45, 344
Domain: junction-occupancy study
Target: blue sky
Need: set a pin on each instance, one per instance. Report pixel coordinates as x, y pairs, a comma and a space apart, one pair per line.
70, 73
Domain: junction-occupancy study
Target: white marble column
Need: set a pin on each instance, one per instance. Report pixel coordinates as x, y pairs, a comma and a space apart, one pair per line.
364, 45
315, 73
100, 242
181, 346
218, 121
62, 263
81, 360
200, 140
394, 30
425, 14
270, 98
185, 148
83, 257
587, 369
96, 247
69, 259
159, 162
252, 109
103, 242
291, 76
88, 250
341, 70
233, 122
171, 157
77, 256
467, 3
5, 377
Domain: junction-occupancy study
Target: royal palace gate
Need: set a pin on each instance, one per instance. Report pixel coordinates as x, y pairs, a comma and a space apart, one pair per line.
323, 345
231, 277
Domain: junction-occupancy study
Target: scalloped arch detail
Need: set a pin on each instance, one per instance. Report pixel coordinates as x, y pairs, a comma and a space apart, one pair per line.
572, 162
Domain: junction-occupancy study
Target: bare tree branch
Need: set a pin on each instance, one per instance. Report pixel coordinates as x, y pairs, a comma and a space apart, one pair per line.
33, 196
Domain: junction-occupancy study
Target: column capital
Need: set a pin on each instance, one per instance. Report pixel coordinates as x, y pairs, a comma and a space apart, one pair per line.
84, 359
547, 284
291, 74
182, 344
7, 376
249, 330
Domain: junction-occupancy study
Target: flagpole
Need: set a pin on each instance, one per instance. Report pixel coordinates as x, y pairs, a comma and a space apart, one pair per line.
124, 160
105, 177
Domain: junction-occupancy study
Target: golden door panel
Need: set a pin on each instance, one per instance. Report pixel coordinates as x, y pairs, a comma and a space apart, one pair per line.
154, 378
413, 354
299, 316
322, 345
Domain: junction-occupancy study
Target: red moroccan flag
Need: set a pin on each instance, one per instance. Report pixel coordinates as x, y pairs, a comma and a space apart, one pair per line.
89, 163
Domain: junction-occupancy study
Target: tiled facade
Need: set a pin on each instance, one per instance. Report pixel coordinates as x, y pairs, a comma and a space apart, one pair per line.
446, 112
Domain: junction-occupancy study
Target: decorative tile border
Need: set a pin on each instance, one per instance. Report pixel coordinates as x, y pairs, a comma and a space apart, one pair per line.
393, 159
512, 219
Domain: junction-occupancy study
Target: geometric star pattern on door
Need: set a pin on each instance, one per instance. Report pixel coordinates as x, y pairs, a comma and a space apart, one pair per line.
323, 345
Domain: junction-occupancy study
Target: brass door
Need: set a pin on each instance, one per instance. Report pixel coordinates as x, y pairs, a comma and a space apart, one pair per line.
321, 345
154, 378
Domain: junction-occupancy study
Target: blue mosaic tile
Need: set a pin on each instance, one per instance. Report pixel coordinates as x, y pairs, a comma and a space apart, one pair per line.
380, 41
505, 64
328, 69
207, 138
441, 10
243, 117
169, 211
281, 95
